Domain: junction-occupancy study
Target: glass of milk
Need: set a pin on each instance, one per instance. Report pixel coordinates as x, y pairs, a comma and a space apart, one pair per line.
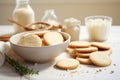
98, 27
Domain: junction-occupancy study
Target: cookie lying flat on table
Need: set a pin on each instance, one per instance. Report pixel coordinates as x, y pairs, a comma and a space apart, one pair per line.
100, 59
79, 44
67, 64
52, 38
100, 45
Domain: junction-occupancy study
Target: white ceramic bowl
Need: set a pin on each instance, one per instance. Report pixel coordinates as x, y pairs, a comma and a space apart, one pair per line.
38, 54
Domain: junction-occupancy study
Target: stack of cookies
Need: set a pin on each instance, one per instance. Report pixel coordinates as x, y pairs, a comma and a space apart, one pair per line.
90, 52
5, 38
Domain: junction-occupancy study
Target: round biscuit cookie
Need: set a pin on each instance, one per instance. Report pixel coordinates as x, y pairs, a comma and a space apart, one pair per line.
86, 50
83, 55
67, 64
108, 52
41, 33
100, 59
84, 60
5, 38
100, 45
43, 42
71, 52
53, 38
31, 40
79, 44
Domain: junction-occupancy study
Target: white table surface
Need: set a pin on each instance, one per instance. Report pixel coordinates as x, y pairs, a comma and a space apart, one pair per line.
83, 72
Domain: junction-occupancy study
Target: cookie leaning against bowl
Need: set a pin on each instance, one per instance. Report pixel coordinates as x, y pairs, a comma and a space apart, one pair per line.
53, 38
100, 59
67, 64
79, 44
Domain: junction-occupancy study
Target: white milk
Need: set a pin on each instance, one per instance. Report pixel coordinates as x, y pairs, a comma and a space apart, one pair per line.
98, 29
23, 14
73, 28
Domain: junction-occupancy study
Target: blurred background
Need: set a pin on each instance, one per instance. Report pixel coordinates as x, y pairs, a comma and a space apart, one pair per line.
78, 9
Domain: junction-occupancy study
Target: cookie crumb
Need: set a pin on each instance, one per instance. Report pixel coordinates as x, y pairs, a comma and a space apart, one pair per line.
111, 72
98, 70
74, 71
62, 74
87, 71
105, 69
114, 64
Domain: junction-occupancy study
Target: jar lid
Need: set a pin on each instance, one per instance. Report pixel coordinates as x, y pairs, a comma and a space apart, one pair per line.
22, 1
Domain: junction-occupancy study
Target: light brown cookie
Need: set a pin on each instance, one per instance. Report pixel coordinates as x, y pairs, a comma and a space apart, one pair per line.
71, 52
100, 59
41, 33
108, 52
84, 60
67, 64
100, 45
5, 38
53, 38
31, 40
43, 42
84, 55
86, 50
79, 44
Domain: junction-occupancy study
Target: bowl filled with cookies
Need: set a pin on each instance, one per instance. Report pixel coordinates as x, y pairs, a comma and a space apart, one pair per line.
39, 46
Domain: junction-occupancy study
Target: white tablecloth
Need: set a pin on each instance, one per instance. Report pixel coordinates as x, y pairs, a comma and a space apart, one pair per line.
84, 72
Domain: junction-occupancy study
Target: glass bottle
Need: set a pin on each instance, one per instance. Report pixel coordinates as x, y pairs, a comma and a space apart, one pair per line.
51, 18
23, 14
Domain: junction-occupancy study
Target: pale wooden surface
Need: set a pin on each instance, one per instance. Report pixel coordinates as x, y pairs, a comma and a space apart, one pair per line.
84, 72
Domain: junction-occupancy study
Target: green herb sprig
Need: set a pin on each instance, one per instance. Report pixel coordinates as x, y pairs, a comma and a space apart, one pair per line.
22, 70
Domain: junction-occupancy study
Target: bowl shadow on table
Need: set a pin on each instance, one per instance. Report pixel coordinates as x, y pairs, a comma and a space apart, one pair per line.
39, 66
34, 66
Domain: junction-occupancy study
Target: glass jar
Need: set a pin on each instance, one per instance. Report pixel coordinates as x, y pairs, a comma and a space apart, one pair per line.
23, 14
73, 28
98, 27
51, 18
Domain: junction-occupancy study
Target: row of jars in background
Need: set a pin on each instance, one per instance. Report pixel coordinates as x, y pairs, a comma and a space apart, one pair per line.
98, 26
24, 15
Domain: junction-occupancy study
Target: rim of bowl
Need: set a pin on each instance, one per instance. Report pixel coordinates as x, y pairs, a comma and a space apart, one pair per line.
98, 16
10, 40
